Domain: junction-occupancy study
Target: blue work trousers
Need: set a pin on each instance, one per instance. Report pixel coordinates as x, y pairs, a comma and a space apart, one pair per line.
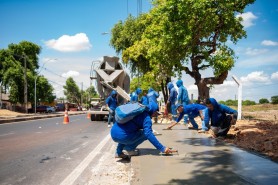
205, 126
193, 122
173, 112
111, 116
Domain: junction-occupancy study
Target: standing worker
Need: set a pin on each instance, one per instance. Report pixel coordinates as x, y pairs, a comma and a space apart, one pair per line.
144, 100
111, 104
152, 95
183, 97
220, 116
172, 100
135, 95
193, 111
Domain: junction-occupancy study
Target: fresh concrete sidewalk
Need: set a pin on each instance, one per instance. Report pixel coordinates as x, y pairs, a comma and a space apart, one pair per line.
200, 160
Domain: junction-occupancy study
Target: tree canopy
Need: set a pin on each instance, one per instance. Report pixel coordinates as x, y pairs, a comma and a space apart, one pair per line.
183, 35
72, 91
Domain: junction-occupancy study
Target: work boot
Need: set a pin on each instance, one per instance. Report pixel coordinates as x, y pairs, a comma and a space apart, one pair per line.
132, 152
122, 155
192, 128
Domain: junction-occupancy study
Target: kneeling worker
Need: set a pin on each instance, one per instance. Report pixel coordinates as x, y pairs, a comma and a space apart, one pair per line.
134, 132
220, 116
192, 110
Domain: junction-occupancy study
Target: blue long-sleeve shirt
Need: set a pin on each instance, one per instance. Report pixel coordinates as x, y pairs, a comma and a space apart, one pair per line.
127, 130
183, 94
144, 100
191, 110
112, 101
173, 93
152, 95
218, 114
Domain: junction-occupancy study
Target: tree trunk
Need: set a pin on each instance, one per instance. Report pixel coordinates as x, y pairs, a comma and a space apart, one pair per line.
165, 89
203, 91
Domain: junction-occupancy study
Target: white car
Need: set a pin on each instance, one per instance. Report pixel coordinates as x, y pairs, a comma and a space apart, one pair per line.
50, 109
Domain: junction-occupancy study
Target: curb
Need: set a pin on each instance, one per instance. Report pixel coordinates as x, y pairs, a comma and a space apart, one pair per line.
18, 119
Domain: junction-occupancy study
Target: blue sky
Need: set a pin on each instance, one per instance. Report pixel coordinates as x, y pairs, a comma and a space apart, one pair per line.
70, 34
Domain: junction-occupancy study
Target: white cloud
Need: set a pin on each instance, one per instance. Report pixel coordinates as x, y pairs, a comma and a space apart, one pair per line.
192, 88
265, 59
248, 19
256, 76
251, 51
70, 74
274, 76
269, 43
67, 43
228, 83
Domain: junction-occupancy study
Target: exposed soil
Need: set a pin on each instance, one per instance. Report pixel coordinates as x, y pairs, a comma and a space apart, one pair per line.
257, 131
8, 113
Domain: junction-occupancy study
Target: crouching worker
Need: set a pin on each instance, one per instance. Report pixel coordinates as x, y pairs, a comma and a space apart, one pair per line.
192, 110
132, 133
221, 117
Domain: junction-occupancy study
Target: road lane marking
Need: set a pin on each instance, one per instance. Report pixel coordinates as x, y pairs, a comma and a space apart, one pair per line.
11, 133
71, 178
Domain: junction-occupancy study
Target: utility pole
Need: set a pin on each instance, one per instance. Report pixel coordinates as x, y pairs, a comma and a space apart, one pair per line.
0, 95
81, 93
25, 86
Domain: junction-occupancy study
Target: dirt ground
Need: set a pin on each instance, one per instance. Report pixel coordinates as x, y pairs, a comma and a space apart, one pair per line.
8, 113
257, 131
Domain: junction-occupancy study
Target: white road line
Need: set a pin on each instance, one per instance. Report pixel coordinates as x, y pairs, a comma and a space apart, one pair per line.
84, 164
11, 133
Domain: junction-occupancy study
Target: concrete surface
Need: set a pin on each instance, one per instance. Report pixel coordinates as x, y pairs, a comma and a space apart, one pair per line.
200, 160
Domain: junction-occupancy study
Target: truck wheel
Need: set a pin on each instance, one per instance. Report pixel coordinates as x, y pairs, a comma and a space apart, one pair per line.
102, 117
93, 117
98, 117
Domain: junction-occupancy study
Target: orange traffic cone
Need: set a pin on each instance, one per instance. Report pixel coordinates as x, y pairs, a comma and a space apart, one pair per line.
88, 115
66, 117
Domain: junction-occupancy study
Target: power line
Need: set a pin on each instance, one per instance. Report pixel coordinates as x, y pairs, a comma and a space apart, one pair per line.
54, 73
56, 83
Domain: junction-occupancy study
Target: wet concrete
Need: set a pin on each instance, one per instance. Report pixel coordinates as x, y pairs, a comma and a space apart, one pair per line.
200, 160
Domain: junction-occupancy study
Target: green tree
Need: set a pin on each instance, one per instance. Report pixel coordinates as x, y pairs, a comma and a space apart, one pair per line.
92, 92
248, 102
127, 34
12, 68
274, 99
263, 101
44, 90
183, 33
72, 91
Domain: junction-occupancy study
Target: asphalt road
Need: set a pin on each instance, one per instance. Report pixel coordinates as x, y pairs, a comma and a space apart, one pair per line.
46, 151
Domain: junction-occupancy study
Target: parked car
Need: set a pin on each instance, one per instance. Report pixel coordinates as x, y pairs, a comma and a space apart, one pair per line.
45, 108
50, 109
41, 108
60, 107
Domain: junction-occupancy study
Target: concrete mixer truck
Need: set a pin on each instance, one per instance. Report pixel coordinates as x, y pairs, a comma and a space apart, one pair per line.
109, 75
